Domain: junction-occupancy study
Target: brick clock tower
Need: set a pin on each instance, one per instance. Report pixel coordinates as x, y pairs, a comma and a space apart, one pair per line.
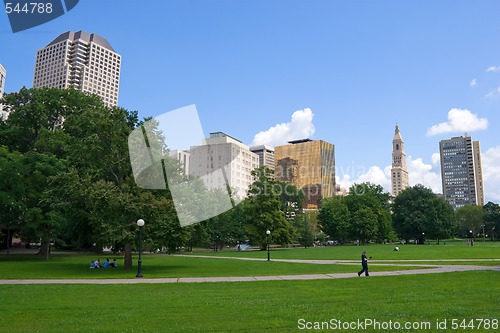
399, 173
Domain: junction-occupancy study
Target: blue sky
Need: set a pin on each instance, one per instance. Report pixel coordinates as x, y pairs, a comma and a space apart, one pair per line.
359, 66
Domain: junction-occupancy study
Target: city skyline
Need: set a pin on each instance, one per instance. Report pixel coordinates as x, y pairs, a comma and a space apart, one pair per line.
332, 71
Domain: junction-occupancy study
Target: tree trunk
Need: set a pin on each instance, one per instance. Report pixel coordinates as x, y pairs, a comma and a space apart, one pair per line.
8, 241
45, 249
127, 260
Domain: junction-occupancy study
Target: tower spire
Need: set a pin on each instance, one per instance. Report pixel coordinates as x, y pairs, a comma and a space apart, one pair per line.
399, 172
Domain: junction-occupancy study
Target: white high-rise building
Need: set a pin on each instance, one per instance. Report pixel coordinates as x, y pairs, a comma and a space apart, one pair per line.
266, 155
399, 172
79, 60
222, 151
3, 72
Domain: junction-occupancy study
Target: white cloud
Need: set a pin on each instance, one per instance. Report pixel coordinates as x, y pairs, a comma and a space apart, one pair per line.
491, 173
459, 120
493, 69
300, 127
421, 173
374, 175
436, 159
473, 83
493, 93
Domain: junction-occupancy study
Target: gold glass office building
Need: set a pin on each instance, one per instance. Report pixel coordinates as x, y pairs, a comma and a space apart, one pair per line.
308, 165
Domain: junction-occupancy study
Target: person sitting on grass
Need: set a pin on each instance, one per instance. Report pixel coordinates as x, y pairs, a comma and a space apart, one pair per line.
97, 264
114, 264
92, 264
106, 263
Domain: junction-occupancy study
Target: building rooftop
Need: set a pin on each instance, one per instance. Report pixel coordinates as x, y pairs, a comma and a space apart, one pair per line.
84, 36
261, 147
299, 141
222, 135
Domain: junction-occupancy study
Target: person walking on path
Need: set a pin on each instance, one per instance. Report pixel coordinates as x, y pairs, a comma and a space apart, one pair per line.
364, 262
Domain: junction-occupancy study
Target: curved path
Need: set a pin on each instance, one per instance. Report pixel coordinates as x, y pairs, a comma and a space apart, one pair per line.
432, 268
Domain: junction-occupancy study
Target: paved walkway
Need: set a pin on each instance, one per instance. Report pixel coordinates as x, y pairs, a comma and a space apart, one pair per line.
433, 269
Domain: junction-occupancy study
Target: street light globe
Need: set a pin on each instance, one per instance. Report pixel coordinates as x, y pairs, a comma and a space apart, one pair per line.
140, 222
268, 232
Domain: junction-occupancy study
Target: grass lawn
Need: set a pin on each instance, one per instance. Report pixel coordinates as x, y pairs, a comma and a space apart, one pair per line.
268, 306
68, 266
453, 250
474, 263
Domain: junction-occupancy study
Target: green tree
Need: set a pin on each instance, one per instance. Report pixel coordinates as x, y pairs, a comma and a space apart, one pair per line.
263, 211
35, 113
419, 214
304, 229
335, 219
492, 219
40, 220
364, 225
291, 199
470, 218
441, 221
12, 191
367, 195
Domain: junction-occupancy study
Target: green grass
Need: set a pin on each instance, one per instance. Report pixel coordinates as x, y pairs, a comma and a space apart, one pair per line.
67, 266
269, 306
453, 250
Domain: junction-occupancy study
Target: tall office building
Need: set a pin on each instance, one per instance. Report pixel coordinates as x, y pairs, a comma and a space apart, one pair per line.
266, 155
461, 172
399, 172
308, 165
82, 61
225, 153
3, 73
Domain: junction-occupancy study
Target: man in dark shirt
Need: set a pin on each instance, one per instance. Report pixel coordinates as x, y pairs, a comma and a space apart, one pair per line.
364, 262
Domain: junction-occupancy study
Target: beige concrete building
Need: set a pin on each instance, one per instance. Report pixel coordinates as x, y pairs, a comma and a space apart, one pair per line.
478, 172
82, 61
223, 160
399, 172
266, 155
3, 73
461, 171
183, 157
308, 165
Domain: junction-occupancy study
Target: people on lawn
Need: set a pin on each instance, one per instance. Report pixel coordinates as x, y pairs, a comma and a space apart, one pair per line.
106, 264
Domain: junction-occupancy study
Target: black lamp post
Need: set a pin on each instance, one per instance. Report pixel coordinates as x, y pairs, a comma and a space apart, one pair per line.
268, 242
140, 223
484, 238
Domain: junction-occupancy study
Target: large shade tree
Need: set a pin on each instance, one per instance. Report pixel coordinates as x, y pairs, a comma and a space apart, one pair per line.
420, 214
263, 211
492, 219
